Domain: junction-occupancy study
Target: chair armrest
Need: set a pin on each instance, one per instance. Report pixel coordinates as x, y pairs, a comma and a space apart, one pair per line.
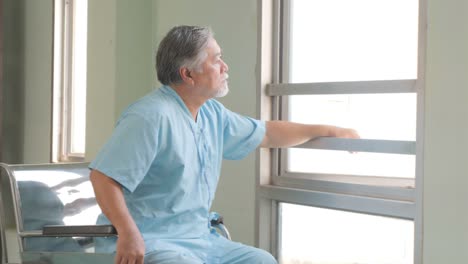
216, 219
223, 230
217, 222
79, 231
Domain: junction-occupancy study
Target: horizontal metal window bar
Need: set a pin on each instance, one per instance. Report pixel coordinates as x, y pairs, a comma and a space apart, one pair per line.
362, 145
385, 181
31, 233
355, 87
358, 204
376, 187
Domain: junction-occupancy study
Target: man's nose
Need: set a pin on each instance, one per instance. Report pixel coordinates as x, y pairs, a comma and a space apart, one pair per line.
225, 67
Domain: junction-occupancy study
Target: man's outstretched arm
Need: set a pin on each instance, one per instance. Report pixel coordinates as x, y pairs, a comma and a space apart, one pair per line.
280, 134
109, 195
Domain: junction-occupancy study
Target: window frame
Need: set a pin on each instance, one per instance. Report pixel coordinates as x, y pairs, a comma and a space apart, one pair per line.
62, 93
393, 197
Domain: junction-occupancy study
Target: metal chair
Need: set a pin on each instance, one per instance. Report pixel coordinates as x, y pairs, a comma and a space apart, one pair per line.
48, 214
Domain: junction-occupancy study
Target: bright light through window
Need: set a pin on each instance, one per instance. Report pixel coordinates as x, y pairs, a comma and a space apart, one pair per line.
374, 116
69, 92
345, 163
359, 40
313, 235
78, 104
343, 40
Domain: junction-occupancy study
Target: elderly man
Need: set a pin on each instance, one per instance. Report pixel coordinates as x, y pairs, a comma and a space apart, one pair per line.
156, 177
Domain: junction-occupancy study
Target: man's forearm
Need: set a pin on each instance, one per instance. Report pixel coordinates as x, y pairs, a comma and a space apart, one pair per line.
287, 134
110, 198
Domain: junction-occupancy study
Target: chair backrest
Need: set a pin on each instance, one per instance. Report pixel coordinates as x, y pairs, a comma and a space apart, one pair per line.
34, 196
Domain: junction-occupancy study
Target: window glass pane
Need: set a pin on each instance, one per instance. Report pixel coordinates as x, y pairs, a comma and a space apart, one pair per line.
312, 235
342, 40
343, 162
78, 96
374, 116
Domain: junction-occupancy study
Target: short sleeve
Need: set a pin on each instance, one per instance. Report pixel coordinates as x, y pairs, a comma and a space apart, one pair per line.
242, 135
130, 151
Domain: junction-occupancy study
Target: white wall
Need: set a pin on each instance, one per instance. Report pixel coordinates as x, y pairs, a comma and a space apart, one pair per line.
235, 27
445, 200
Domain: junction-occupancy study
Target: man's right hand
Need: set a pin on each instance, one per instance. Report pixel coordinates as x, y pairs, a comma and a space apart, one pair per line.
109, 195
130, 249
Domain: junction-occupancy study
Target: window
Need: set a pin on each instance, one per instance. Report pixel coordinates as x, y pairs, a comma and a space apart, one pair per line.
350, 64
69, 84
343, 237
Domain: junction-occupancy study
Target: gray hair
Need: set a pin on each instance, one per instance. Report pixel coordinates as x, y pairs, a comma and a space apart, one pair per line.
183, 46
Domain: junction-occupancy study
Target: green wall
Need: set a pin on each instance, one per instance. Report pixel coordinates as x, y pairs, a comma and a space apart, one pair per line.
101, 78
13, 91
27, 80
134, 45
120, 64
445, 190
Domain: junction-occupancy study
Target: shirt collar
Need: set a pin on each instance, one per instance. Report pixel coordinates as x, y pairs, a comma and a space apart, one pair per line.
171, 92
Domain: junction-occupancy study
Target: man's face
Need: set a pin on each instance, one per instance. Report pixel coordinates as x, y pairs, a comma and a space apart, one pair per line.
212, 79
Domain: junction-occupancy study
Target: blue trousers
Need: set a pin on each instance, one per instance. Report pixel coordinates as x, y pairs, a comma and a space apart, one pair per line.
211, 249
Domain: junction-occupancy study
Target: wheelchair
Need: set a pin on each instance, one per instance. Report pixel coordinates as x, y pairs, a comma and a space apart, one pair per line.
48, 214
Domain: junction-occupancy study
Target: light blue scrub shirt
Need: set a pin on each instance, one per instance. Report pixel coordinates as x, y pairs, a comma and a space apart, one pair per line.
169, 165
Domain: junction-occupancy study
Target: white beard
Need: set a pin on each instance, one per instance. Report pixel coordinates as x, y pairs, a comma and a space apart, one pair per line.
223, 91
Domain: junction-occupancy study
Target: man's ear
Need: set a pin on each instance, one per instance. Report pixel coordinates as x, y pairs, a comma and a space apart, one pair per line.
186, 75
